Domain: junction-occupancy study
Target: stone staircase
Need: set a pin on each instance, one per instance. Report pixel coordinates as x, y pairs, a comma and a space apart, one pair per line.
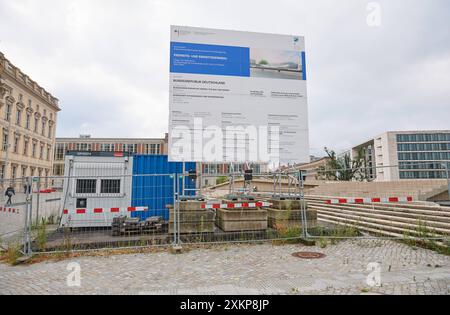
419, 189
414, 220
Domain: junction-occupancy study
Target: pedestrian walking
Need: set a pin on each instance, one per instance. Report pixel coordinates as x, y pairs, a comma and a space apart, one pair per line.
26, 189
9, 193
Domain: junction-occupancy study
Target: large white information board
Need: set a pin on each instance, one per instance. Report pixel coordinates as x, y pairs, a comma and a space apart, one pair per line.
237, 97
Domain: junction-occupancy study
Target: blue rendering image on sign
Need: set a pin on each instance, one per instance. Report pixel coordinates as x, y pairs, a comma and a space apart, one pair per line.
209, 59
304, 65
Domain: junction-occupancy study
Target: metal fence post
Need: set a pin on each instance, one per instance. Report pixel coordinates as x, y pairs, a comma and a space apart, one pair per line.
38, 199
28, 218
303, 206
447, 172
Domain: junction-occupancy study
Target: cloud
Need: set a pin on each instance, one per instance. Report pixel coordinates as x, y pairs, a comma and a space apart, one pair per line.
107, 60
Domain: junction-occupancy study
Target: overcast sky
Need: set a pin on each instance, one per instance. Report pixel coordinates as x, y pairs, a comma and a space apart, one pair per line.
108, 61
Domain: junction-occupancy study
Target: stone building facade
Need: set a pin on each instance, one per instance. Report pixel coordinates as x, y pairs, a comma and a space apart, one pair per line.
28, 116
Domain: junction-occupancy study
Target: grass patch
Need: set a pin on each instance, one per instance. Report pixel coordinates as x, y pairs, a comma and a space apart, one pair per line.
12, 254
322, 243
41, 238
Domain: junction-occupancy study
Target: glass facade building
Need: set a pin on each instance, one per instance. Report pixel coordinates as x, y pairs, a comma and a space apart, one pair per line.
406, 155
423, 155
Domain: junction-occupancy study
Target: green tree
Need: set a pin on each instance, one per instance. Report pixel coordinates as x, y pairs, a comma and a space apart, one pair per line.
343, 168
263, 62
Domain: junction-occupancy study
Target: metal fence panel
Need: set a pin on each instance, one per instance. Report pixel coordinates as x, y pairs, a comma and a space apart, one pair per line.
111, 206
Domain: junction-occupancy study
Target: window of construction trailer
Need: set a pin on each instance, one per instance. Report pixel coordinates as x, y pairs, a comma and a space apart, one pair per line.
110, 186
86, 186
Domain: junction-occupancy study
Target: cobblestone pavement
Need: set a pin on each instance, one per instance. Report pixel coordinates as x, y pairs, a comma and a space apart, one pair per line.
12, 224
243, 269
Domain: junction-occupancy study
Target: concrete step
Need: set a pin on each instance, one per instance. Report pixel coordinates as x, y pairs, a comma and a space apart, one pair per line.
424, 205
373, 230
381, 228
400, 208
389, 211
397, 219
383, 224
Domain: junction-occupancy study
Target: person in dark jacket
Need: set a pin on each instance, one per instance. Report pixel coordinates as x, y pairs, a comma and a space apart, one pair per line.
9, 193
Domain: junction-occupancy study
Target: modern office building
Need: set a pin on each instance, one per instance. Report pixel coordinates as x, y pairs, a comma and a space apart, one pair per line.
87, 143
398, 155
142, 146
28, 115
213, 173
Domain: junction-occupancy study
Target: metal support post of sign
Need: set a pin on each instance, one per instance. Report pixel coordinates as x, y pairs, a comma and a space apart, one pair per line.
178, 213
175, 200
200, 181
183, 180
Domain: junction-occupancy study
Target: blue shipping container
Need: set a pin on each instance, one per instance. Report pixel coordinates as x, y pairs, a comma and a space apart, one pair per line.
155, 192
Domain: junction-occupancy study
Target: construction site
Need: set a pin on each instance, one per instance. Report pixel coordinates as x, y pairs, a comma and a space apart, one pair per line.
112, 201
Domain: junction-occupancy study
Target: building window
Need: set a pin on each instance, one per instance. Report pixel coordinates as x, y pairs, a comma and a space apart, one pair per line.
41, 152
8, 109
84, 147
110, 186
16, 144
18, 117
24, 171
13, 172
60, 151
152, 148
105, 147
27, 122
25, 147
86, 186
58, 169
131, 148
49, 131
48, 153
36, 124
5, 141
2, 171
43, 127
33, 149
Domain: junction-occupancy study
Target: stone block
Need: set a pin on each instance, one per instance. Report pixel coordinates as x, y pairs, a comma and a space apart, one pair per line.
242, 220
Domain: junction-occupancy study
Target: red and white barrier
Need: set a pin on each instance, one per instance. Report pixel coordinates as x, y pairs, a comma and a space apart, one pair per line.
105, 210
235, 205
45, 191
9, 210
369, 200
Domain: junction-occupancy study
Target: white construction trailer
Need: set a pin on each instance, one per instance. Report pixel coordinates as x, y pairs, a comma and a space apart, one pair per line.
97, 188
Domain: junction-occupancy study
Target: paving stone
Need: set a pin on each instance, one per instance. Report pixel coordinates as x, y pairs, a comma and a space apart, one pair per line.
243, 269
